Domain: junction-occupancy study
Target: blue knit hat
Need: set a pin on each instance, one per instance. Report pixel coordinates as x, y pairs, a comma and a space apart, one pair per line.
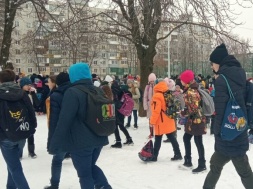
24, 81
79, 71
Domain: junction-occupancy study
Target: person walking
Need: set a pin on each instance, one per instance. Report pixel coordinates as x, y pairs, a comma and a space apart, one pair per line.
235, 150
196, 121
83, 144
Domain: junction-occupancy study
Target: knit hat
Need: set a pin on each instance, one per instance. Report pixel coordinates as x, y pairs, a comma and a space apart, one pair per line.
79, 71
151, 77
61, 78
171, 83
24, 81
219, 53
187, 76
108, 78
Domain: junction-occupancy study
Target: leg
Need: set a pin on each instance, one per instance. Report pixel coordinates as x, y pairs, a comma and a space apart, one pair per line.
243, 168
82, 160
31, 147
11, 153
201, 151
157, 145
187, 145
217, 163
129, 121
97, 174
56, 168
135, 118
116, 133
174, 144
124, 130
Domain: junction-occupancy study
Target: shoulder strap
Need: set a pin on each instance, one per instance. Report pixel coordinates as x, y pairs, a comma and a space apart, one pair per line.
229, 89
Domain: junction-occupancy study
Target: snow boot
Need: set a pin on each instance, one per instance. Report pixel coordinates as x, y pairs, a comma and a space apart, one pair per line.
31, 149
127, 125
129, 141
135, 126
201, 167
187, 161
176, 157
154, 158
117, 145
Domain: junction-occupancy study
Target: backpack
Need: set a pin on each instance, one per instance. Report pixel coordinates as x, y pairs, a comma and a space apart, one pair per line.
249, 103
127, 105
172, 105
207, 102
100, 115
234, 121
15, 120
147, 151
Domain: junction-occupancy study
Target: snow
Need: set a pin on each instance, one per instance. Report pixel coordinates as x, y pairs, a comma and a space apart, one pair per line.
123, 167
144, 46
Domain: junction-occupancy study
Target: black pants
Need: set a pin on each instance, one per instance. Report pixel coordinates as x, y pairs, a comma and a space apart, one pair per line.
120, 124
199, 143
30, 140
135, 118
241, 165
173, 140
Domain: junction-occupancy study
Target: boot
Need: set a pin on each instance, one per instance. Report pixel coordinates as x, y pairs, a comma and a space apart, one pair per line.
201, 167
51, 187
135, 126
154, 158
176, 157
117, 145
31, 149
127, 125
187, 161
129, 141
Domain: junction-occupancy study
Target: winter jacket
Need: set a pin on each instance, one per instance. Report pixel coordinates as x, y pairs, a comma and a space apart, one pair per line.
161, 122
136, 96
71, 133
54, 107
196, 121
147, 97
15, 93
236, 77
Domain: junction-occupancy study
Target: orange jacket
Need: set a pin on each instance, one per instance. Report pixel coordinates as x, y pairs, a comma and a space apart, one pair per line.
162, 123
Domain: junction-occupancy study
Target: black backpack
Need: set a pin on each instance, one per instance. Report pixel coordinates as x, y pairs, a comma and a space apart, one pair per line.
100, 114
15, 120
249, 103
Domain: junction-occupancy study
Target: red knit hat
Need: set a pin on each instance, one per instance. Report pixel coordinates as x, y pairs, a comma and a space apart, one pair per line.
187, 76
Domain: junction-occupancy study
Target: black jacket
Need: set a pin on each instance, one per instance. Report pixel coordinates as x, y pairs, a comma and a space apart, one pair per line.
236, 77
71, 134
10, 91
55, 108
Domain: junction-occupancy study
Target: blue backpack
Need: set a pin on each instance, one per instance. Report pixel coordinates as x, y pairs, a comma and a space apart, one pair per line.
234, 121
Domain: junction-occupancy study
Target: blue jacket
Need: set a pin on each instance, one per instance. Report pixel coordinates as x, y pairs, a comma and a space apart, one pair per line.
236, 77
71, 134
55, 108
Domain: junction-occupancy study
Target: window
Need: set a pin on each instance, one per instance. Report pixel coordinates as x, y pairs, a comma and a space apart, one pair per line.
17, 42
18, 70
124, 62
16, 23
55, 69
43, 69
114, 62
29, 70
95, 62
103, 46
30, 61
103, 55
17, 51
103, 62
17, 61
112, 54
95, 70
103, 70
28, 25
16, 33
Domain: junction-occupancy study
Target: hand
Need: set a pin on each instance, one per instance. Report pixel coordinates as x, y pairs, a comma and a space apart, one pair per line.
151, 125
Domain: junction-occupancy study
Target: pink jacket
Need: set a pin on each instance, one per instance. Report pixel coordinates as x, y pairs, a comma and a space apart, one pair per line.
147, 97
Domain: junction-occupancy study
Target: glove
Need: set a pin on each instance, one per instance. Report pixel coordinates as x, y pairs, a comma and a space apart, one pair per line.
250, 138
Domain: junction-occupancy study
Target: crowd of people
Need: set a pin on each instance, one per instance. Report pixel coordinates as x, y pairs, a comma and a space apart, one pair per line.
66, 107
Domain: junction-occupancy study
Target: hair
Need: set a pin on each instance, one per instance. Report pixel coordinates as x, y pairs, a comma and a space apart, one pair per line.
52, 78
7, 76
108, 92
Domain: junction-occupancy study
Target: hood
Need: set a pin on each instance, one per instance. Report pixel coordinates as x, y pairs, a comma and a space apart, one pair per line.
10, 91
233, 70
161, 87
63, 87
79, 71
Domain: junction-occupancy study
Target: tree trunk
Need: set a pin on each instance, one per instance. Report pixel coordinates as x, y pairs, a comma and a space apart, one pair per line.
8, 27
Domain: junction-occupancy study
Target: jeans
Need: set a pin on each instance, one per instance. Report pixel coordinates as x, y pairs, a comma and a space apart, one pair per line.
56, 168
199, 143
217, 163
88, 172
11, 153
135, 118
173, 140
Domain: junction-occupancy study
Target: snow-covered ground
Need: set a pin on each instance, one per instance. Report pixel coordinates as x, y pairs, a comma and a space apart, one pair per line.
123, 167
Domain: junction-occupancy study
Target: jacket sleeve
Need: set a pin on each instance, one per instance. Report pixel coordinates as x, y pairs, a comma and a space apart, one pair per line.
55, 108
30, 108
69, 110
156, 107
145, 98
137, 95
